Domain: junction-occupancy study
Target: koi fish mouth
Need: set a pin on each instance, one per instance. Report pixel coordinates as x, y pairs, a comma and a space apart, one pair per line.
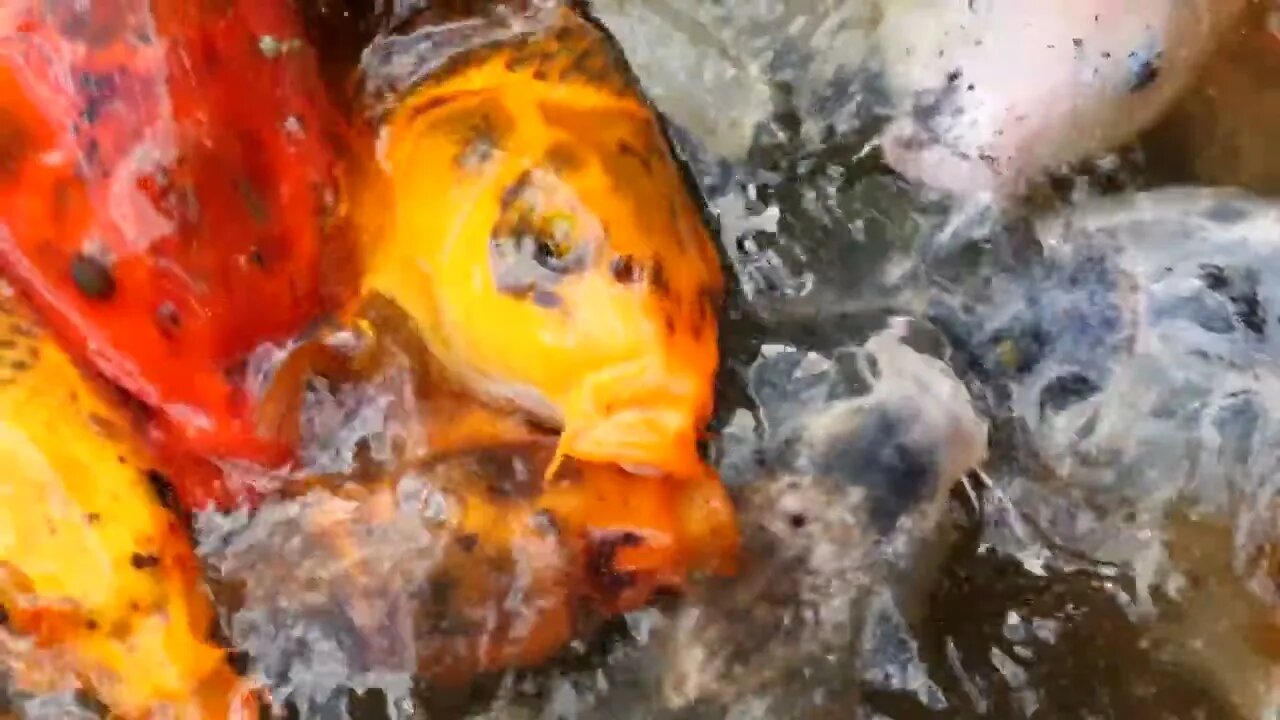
641, 415
652, 439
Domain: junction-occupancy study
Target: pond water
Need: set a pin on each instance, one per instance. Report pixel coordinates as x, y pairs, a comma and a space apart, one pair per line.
1000, 394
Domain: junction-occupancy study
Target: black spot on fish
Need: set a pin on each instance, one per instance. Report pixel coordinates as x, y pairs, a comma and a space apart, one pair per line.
877, 455
1144, 69
1214, 277
1066, 390
163, 489
96, 92
257, 258
1240, 289
14, 144
468, 542
625, 270
602, 561
706, 310
658, 278
143, 561
92, 277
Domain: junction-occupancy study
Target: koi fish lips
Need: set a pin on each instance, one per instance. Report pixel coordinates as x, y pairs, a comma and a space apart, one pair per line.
644, 420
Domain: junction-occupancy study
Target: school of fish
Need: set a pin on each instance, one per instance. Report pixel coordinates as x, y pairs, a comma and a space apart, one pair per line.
179, 188
198, 226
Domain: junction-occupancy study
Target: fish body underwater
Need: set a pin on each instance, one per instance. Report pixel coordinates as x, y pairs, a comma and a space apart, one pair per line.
99, 586
980, 100
168, 197
533, 259
1138, 357
178, 207
449, 571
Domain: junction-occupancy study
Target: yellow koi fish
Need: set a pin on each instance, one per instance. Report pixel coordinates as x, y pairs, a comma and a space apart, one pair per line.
533, 222
99, 588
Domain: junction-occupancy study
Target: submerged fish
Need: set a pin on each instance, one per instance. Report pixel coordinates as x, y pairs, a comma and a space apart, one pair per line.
168, 193
99, 588
467, 563
992, 95
533, 254
981, 98
529, 216
1139, 354
845, 519
460, 553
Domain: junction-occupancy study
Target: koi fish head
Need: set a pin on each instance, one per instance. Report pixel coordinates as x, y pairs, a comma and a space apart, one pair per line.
538, 230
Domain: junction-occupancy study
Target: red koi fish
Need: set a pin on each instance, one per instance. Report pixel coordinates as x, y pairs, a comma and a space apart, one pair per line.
169, 196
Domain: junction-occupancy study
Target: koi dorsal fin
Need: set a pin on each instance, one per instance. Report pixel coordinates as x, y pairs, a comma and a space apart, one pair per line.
419, 37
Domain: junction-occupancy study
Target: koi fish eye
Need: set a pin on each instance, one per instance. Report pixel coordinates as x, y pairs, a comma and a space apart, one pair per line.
548, 239
543, 235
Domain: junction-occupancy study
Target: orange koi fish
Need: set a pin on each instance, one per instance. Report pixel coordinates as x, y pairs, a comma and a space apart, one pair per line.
476, 560
531, 219
531, 558
168, 195
531, 250
449, 421
99, 588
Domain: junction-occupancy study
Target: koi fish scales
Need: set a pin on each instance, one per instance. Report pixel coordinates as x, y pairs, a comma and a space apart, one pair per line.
98, 584
167, 194
535, 225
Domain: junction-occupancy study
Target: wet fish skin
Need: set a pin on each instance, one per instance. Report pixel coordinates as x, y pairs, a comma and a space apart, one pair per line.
994, 95
535, 225
98, 583
169, 198
981, 99
845, 515
462, 565
534, 558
